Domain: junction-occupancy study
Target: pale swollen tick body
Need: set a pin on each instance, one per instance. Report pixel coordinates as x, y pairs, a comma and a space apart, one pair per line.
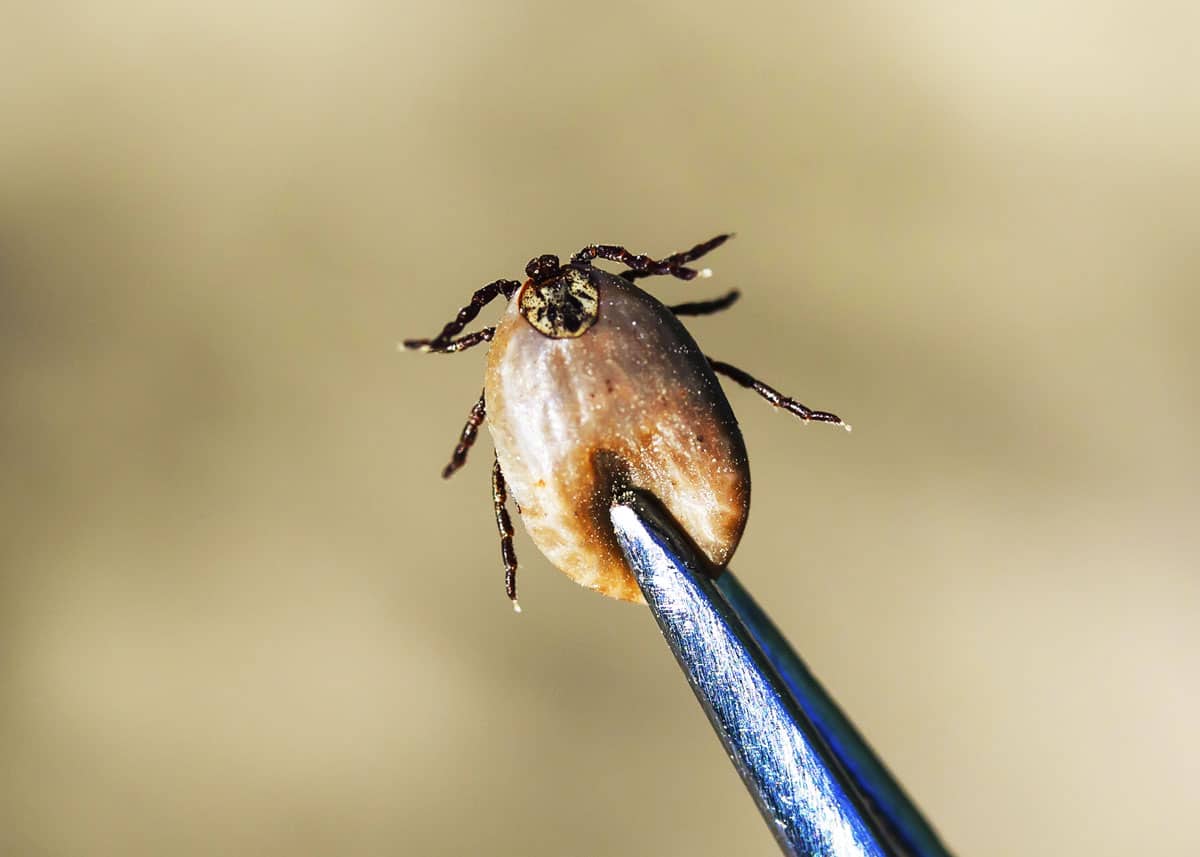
593, 386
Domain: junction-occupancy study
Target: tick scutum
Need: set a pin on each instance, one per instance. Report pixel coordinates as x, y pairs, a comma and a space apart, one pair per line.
563, 306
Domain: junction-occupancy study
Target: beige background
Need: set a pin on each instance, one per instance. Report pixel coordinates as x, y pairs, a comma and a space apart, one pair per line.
241, 614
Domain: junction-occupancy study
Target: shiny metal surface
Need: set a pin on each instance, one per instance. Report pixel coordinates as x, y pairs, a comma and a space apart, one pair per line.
806, 797
884, 796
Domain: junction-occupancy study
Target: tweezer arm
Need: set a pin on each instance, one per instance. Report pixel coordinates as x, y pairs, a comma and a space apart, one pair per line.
886, 799
811, 800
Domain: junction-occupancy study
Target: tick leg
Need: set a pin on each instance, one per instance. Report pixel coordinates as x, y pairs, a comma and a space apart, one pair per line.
775, 397
454, 345
482, 297
504, 525
467, 440
643, 266
707, 307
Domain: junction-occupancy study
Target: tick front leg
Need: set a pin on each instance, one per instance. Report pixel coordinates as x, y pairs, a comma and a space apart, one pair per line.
452, 346
644, 266
504, 525
445, 341
707, 307
775, 397
467, 440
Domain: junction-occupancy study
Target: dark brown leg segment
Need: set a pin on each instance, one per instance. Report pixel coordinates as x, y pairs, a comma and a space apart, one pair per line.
455, 345
467, 440
466, 315
775, 397
643, 266
707, 307
504, 525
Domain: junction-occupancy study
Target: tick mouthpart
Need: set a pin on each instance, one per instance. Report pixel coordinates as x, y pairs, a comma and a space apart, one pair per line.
542, 268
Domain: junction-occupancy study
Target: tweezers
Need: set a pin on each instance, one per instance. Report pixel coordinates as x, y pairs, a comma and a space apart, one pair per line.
819, 786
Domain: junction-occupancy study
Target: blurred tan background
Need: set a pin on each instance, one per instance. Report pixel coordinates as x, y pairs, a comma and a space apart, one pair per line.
240, 612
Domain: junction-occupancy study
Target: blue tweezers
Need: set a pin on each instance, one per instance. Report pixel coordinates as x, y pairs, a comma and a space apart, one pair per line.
820, 788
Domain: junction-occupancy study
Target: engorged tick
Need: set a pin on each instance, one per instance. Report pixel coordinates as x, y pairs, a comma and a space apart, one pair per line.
592, 387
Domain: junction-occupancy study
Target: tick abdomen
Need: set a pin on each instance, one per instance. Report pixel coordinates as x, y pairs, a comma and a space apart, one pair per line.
631, 402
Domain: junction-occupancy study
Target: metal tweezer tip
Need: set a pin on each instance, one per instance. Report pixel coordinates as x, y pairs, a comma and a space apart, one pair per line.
818, 785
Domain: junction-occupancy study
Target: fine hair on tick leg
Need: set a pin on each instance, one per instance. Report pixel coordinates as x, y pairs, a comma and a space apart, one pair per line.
775, 397
467, 440
504, 524
453, 346
446, 343
645, 266
481, 298
707, 307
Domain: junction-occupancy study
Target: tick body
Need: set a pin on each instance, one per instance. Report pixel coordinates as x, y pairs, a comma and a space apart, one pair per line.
593, 386
631, 402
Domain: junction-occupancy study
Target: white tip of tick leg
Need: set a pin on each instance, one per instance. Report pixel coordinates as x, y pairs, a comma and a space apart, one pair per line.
704, 273
516, 606
847, 427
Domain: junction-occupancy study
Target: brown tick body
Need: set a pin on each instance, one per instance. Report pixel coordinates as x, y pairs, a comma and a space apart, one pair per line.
592, 386
632, 402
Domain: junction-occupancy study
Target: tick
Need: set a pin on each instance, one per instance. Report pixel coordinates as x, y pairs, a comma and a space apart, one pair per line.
592, 386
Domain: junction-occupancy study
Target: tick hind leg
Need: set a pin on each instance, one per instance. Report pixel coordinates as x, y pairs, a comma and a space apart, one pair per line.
469, 433
707, 307
775, 397
445, 343
504, 525
644, 266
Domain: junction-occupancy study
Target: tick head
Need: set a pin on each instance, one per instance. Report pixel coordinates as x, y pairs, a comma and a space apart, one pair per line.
543, 268
560, 302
